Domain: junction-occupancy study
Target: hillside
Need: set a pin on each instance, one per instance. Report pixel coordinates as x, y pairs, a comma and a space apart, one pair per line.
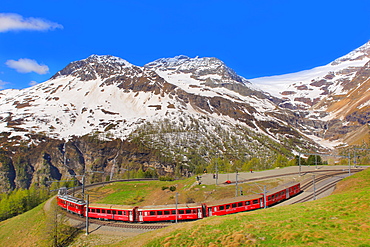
338, 220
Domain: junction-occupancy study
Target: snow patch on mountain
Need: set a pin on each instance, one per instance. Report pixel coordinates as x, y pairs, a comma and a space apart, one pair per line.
310, 86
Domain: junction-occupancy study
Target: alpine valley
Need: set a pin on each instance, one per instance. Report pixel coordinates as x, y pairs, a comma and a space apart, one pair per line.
108, 119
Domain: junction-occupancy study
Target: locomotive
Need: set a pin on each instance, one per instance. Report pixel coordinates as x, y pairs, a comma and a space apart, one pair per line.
181, 212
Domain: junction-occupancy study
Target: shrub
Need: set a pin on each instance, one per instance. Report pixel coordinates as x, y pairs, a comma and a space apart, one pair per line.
165, 178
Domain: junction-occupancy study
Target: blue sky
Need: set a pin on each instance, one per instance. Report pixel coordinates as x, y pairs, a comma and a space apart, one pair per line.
254, 37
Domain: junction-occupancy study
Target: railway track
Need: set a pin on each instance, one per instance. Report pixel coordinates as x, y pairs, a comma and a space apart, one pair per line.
353, 170
309, 183
139, 226
318, 192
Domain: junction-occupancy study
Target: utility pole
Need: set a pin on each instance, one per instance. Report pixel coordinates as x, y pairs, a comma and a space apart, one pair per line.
349, 164
236, 184
87, 214
314, 188
83, 186
264, 194
176, 206
299, 163
217, 171
264, 197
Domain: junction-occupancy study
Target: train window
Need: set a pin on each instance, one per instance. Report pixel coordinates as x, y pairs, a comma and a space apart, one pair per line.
181, 211
98, 210
255, 201
114, 212
166, 212
247, 203
240, 204
119, 212
152, 212
227, 206
269, 198
233, 205
188, 211
222, 207
173, 211
109, 211
159, 212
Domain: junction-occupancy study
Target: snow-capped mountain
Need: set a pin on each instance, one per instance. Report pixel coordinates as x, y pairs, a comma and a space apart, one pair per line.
100, 91
307, 88
105, 113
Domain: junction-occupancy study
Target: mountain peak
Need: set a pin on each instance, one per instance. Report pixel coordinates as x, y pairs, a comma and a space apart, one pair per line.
184, 62
361, 53
93, 67
107, 59
200, 68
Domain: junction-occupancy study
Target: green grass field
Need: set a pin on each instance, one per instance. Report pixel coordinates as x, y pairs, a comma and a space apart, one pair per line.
27, 229
141, 193
342, 219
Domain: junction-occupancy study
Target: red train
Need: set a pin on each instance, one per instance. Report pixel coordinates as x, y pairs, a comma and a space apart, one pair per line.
180, 212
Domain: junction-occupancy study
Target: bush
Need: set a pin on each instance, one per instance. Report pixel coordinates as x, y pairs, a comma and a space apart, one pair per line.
172, 188
164, 187
165, 178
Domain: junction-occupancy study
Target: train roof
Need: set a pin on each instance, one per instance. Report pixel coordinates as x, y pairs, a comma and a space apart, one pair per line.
111, 206
171, 206
281, 187
233, 200
72, 199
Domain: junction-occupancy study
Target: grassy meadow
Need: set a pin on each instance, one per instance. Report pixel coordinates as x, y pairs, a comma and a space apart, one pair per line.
342, 219
142, 193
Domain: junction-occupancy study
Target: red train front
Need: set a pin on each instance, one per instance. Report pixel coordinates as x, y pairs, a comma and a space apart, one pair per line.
72, 204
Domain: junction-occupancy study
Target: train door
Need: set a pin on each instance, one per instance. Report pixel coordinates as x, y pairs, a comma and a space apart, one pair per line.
141, 218
262, 202
210, 211
130, 216
200, 216
287, 193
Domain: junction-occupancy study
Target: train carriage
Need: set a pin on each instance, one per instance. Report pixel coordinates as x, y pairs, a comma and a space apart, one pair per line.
235, 205
282, 193
191, 211
112, 212
71, 204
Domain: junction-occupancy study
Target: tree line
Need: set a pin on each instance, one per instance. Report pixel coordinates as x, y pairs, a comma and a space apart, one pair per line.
21, 200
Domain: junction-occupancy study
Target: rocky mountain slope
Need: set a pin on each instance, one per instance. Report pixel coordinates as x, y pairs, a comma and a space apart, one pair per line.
336, 94
174, 115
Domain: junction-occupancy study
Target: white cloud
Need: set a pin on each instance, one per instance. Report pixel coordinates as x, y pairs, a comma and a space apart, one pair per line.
2, 84
25, 65
33, 83
10, 22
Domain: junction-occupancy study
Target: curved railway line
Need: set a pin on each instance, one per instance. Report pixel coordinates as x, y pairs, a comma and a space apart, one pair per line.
152, 226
